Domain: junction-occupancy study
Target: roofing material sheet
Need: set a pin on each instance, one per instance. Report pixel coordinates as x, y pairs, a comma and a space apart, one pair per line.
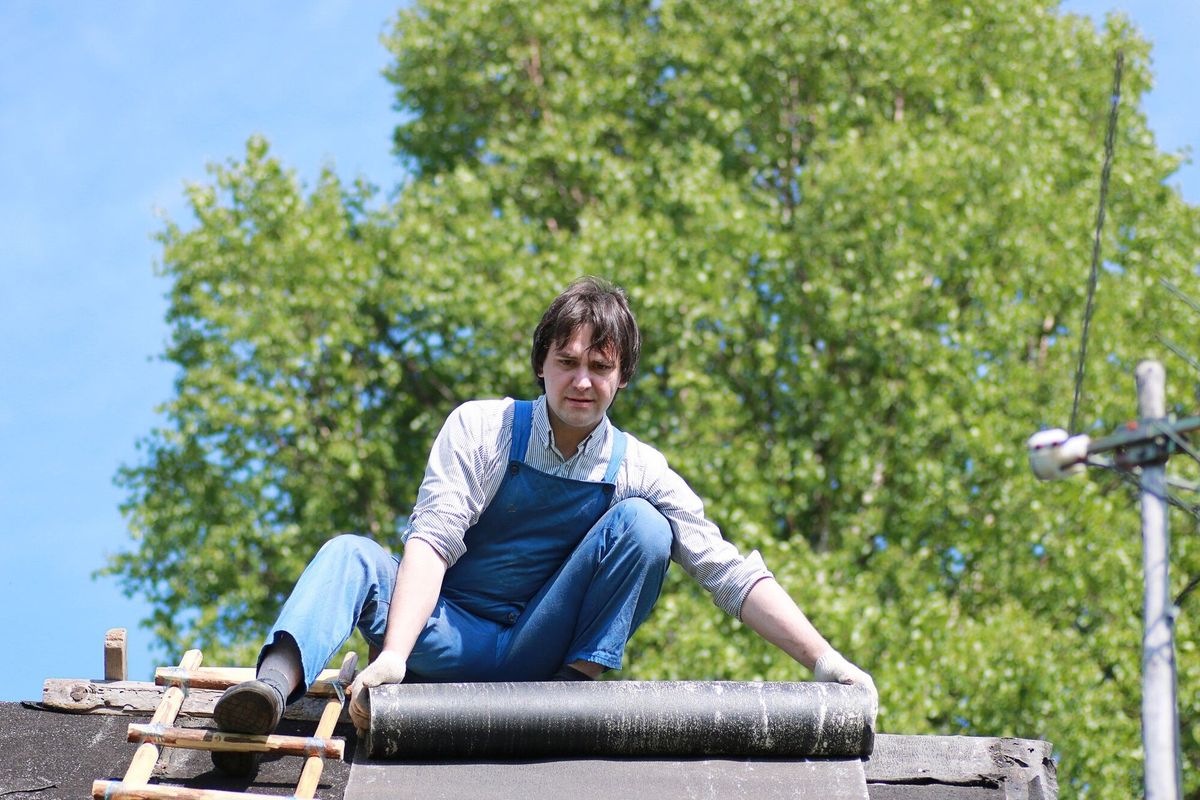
606, 779
618, 719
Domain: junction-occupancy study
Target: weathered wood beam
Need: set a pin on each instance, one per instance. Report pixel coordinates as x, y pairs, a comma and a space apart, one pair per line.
142, 698
1022, 768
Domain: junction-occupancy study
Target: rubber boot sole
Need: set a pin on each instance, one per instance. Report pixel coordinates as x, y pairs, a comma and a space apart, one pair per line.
250, 707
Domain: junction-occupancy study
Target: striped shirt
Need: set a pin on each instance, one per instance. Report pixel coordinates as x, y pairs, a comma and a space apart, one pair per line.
468, 463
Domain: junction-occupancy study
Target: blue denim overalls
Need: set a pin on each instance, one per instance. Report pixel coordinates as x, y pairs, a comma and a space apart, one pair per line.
551, 575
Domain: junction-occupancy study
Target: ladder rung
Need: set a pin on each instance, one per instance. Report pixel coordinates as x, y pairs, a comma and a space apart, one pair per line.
204, 739
223, 677
115, 790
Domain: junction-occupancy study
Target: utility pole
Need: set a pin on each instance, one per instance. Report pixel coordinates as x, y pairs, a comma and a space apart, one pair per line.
1160, 723
1140, 448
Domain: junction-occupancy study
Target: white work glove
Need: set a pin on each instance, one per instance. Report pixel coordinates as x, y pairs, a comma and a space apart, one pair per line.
833, 667
388, 667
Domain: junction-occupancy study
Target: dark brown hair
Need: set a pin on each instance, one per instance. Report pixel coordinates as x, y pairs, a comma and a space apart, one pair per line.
595, 302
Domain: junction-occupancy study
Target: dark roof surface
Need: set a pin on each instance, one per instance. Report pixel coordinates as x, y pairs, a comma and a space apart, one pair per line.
50, 755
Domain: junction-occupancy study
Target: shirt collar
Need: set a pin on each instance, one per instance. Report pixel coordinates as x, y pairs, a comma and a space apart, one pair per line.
543, 433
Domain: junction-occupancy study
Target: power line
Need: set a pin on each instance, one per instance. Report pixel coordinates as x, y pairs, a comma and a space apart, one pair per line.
1109, 138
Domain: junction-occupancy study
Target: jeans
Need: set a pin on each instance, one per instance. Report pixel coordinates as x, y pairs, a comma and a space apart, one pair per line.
587, 611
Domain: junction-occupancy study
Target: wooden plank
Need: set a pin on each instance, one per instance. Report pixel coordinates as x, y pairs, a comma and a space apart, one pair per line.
116, 661
203, 739
119, 697
962, 760
1022, 767
137, 698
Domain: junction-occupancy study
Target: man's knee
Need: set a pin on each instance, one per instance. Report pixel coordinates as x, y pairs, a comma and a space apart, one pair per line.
643, 527
350, 548
346, 543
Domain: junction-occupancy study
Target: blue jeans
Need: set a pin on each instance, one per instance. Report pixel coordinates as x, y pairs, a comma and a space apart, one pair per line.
587, 611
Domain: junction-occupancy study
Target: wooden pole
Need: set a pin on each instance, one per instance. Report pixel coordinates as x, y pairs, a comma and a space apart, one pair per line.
310, 776
116, 662
204, 739
146, 756
1160, 721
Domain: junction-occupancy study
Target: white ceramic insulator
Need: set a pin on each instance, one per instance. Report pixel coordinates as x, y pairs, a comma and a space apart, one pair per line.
1054, 454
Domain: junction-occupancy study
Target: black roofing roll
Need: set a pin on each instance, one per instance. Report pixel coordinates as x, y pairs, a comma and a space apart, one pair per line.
619, 718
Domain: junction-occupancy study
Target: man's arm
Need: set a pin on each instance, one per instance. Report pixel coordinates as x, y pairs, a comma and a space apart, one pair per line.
771, 613
418, 583
464, 469
701, 550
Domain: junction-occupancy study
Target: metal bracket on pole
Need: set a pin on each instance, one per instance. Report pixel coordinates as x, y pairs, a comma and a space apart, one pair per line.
1146, 442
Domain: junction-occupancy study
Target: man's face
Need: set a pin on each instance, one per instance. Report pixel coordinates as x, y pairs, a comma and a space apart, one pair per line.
580, 386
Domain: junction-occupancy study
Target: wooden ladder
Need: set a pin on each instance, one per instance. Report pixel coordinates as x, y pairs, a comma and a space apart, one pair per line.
161, 733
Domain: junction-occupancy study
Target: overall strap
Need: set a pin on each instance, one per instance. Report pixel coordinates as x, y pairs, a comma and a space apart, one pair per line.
522, 424
618, 455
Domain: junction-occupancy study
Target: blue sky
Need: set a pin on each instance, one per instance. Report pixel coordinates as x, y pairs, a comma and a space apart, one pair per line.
106, 110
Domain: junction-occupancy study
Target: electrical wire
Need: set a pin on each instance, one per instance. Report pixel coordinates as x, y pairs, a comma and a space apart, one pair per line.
1109, 138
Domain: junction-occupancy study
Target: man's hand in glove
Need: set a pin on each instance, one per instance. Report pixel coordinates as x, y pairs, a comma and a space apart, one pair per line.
833, 667
389, 667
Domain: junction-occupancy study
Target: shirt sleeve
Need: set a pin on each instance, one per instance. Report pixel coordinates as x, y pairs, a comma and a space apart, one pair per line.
464, 471
698, 546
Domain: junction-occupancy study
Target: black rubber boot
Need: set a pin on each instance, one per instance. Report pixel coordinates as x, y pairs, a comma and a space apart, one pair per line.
250, 707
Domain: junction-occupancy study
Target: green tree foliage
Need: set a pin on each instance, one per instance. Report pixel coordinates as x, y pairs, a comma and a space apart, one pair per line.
856, 235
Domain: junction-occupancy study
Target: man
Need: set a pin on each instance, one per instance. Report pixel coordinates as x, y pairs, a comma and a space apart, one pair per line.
537, 546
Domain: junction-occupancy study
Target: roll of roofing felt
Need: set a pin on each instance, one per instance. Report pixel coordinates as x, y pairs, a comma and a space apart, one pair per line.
619, 718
